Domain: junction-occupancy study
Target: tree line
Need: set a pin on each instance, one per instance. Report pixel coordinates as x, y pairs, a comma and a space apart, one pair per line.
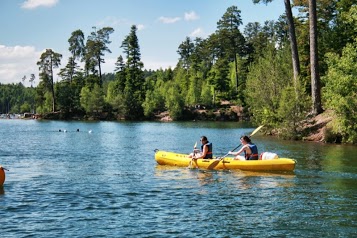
281, 72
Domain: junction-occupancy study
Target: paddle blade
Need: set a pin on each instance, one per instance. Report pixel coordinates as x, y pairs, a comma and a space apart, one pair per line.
195, 145
256, 130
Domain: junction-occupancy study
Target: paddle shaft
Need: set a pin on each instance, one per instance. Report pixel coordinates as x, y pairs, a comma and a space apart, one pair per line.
232, 150
193, 155
255, 131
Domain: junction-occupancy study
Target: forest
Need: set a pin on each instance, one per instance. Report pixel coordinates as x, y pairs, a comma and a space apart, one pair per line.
280, 72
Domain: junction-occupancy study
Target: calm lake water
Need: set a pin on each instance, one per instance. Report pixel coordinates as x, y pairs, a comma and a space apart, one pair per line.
107, 184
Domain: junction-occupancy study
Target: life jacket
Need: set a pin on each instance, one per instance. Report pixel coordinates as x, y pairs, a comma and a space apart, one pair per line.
254, 155
209, 154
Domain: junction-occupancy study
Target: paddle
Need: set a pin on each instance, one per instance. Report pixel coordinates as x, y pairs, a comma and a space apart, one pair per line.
253, 133
193, 155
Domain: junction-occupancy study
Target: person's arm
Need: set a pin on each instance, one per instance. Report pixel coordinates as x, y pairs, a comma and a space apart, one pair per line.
238, 152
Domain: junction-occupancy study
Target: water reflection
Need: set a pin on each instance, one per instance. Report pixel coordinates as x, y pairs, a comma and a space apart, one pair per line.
205, 177
243, 178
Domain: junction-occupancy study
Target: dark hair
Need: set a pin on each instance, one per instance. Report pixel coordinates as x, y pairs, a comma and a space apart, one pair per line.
204, 138
246, 139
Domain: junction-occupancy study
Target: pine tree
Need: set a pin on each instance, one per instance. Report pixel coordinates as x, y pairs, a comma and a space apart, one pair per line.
48, 61
134, 91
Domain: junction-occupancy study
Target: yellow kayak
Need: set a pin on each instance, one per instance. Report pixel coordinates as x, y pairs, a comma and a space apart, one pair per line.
182, 160
2, 176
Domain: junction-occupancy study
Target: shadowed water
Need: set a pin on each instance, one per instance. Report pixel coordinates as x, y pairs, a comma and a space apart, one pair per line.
107, 184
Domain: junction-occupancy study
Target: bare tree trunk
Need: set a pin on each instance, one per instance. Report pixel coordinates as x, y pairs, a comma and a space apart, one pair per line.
315, 77
100, 73
293, 43
71, 71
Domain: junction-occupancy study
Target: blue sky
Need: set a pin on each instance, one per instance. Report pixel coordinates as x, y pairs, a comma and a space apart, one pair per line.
28, 27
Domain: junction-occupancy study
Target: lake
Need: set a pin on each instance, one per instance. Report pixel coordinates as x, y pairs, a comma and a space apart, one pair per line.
103, 181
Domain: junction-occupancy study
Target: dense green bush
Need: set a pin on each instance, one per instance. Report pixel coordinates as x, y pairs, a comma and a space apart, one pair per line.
340, 91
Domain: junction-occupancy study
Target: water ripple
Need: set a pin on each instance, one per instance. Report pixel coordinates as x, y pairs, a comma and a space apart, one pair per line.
107, 184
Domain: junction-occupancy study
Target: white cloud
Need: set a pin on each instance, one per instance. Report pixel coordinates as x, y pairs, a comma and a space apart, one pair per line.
191, 16
168, 20
198, 33
16, 62
32, 4
140, 27
13, 53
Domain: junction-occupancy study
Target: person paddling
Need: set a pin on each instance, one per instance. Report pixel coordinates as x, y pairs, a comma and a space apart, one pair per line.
250, 149
206, 150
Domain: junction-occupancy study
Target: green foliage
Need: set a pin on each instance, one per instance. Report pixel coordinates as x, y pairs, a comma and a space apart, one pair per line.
235, 91
63, 95
340, 91
13, 96
92, 100
112, 92
293, 107
115, 98
133, 109
26, 107
193, 94
185, 50
76, 44
149, 104
218, 76
258, 37
120, 76
49, 60
231, 39
154, 99
266, 81
174, 102
206, 95
134, 90
96, 46
92, 80
46, 106
182, 78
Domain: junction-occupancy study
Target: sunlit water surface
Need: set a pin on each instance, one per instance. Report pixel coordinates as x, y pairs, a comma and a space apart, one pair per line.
107, 184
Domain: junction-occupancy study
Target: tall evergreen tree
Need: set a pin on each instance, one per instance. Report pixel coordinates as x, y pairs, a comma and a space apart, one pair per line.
259, 36
77, 49
96, 46
233, 42
32, 79
120, 76
185, 51
48, 61
134, 86
218, 76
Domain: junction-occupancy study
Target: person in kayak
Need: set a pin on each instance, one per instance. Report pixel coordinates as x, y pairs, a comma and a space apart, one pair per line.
250, 150
205, 152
